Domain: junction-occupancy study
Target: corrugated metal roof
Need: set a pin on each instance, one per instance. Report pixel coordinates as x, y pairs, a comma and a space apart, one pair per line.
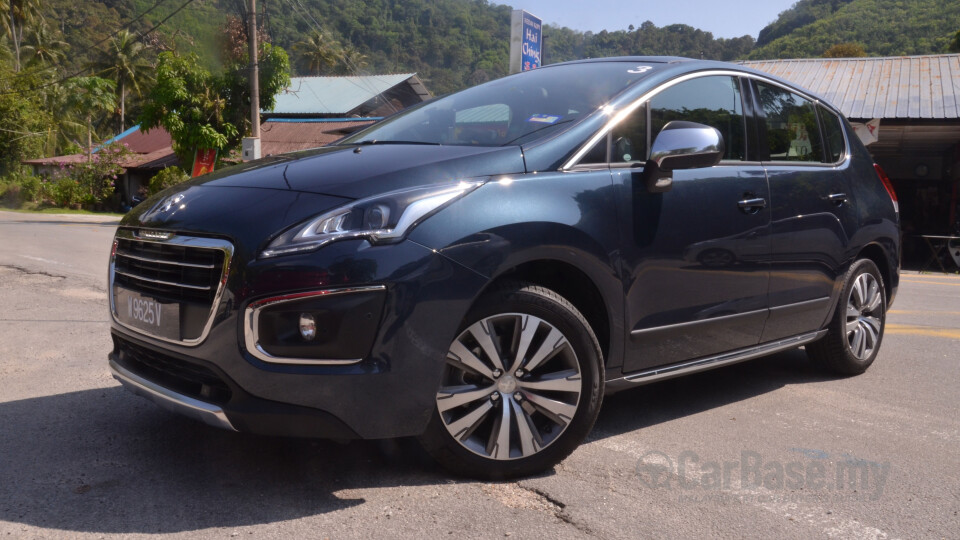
142, 142
917, 87
333, 95
157, 159
484, 114
287, 136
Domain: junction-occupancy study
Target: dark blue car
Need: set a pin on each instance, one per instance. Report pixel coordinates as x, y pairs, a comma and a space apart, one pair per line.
480, 270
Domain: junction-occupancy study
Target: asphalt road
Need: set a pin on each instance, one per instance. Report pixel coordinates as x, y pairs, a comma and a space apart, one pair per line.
752, 450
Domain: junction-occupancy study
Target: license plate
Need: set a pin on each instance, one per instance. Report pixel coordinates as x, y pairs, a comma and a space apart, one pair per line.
145, 313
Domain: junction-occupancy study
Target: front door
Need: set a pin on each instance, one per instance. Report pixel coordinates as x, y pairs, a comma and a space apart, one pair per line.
695, 258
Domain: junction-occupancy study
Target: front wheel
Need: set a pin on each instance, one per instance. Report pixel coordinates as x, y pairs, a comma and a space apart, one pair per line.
521, 387
856, 330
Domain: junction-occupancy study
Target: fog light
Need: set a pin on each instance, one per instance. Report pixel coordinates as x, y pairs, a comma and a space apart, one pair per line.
308, 327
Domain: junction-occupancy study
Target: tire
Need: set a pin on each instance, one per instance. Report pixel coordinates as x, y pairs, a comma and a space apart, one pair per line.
549, 405
856, 330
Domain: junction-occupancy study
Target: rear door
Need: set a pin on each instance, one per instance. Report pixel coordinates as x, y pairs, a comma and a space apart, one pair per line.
812, 207
694, 259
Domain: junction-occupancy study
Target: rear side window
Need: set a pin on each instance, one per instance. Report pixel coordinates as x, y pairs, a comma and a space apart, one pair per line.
791, 120
833, 132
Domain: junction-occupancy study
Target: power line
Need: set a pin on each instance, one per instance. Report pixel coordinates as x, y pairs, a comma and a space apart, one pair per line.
346, 60
88, 68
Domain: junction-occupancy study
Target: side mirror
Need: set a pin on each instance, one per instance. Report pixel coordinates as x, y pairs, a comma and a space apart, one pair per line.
681, 145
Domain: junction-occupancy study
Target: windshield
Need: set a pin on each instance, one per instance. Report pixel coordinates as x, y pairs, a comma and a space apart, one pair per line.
511, 110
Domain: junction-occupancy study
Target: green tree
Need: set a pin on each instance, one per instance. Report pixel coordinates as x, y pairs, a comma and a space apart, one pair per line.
351, 60
89, 97
845, 50
274, 75
17, 14
955, 44
125, 62
23, 122
187, 102
45, 47
315, 53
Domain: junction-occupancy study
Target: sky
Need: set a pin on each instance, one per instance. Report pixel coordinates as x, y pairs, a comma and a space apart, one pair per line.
723, 19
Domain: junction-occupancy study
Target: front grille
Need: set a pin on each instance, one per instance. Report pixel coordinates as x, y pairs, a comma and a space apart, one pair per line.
186, 378
171, 272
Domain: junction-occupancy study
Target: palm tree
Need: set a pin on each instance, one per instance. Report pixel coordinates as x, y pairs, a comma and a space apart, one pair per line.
45, 46
17, 14
352, 60
125, 63
316, 52
88, 96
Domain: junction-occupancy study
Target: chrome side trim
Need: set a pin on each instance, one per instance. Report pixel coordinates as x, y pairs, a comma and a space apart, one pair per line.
251, 318
177, 240
725, 359
617, 116
692, 324
170, 400
783, 307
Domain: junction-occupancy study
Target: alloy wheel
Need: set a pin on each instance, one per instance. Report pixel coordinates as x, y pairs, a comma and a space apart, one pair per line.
511, 386
864, 316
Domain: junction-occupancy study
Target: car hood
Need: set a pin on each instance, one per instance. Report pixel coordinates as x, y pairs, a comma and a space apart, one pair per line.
248, 216
361, 171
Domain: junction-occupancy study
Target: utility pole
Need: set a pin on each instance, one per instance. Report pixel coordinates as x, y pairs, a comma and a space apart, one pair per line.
251, 145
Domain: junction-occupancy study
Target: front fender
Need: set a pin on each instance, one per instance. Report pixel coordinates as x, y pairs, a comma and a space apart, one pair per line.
506, 223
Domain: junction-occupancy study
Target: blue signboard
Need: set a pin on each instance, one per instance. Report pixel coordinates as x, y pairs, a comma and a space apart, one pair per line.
532, 32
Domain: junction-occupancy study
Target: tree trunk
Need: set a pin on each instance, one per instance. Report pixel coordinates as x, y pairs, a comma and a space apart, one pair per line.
89, 138
123, 103
13, 38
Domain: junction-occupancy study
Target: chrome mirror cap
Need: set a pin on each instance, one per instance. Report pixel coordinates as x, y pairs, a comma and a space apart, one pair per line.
686, 145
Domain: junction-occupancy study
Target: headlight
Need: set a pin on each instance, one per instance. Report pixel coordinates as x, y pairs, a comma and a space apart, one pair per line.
380, 219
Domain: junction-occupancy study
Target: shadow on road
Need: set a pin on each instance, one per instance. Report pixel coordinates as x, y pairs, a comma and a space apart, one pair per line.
106, 461
661, 402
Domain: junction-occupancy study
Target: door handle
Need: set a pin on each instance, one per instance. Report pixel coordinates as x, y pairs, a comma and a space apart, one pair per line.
752, 206
837, 198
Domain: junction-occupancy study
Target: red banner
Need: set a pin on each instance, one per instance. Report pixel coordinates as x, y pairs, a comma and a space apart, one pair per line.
203, 161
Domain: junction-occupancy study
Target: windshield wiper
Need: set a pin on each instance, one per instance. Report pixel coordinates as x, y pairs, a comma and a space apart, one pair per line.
529, 133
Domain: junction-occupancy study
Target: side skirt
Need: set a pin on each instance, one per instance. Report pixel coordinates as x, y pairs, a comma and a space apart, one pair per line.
685, 368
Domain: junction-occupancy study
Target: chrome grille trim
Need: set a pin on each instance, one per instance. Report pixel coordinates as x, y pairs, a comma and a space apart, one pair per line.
161, 261
162, 282
181, 241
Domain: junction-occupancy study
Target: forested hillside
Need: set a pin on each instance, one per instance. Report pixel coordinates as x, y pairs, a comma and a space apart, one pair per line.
76, 72
450, 43
456, 43
880, 27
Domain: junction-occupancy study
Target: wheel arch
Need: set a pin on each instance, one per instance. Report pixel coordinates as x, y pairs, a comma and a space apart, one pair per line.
574, 284
879, 256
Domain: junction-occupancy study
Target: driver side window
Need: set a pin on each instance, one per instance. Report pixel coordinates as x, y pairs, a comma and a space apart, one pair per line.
713, 101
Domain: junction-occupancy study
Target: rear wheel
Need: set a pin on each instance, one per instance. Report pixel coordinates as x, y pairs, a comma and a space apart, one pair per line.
521, 387
856, 330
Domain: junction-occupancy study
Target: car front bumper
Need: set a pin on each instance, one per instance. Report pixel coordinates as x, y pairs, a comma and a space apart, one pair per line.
388, 392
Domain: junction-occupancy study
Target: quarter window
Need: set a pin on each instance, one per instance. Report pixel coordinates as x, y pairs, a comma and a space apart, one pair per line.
791, 121
628, 140
833, 132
